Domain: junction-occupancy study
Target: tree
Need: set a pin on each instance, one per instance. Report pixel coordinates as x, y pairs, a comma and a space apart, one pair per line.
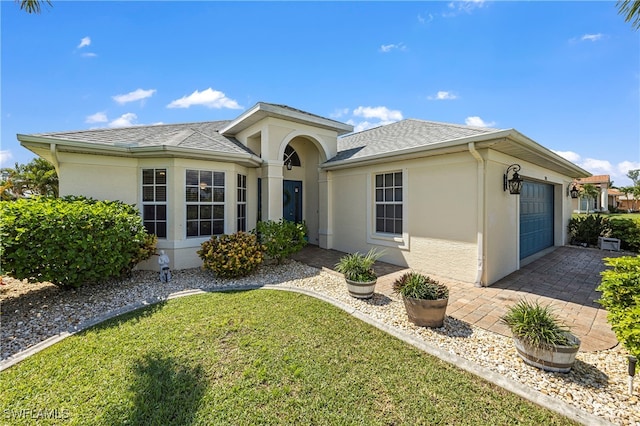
631, 11
38, 177
634, 175
590, 192
33, 6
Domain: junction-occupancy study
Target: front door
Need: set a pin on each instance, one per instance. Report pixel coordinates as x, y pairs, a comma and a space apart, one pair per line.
292, 200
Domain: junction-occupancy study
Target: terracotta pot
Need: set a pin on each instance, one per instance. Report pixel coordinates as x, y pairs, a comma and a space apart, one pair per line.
558, 358
426, 313
361, 290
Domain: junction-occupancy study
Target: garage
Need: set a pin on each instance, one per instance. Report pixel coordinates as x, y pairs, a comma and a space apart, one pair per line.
536, 218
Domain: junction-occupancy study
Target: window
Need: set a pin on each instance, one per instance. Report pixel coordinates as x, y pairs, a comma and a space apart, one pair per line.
388, 204
154, 201
205, 203
242, 203
291, 157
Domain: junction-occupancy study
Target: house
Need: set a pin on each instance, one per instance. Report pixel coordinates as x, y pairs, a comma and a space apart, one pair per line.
432, 195
608, 196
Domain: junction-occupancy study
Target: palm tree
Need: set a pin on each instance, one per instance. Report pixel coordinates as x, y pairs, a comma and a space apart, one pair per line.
590, 192
38, 177
33, 6
631, 11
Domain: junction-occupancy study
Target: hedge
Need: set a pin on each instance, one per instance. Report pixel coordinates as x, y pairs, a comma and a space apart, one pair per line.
71, 241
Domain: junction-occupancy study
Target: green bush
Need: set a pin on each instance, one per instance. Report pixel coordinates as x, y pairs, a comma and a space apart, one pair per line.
587, 229
627, 231
231, 256
71, 241
620, 289
281, 239
536, 325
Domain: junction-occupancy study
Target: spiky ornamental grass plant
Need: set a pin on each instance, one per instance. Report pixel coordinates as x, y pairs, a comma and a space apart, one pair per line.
419, 286
358, 267
536, 325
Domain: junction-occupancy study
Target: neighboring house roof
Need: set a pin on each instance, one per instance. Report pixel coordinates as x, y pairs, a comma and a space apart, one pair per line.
202, 136
400, 136
595, 179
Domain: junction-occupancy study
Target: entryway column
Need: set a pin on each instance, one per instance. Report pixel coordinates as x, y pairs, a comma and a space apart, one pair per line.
272, 190
325, 234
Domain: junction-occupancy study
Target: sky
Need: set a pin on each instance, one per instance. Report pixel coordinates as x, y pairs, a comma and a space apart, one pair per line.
565, 74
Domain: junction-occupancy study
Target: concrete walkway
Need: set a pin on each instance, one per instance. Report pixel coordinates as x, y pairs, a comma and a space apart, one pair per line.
566, 278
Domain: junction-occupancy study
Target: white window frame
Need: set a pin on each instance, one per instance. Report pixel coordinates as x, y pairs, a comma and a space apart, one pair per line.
241, 200
155, 202
400, 241
200, 204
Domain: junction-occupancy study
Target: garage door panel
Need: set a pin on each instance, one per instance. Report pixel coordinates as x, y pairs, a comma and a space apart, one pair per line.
536, 218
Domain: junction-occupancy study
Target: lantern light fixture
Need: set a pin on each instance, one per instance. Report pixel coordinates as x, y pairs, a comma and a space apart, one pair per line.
574, 191
514, 185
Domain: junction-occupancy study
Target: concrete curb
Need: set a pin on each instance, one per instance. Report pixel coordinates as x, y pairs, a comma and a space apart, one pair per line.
510, 385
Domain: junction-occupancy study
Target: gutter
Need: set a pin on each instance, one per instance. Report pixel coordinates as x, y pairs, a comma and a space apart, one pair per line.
480, 216
54, 157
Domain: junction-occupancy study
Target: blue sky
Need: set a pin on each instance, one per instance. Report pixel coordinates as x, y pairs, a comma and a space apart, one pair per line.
566, 74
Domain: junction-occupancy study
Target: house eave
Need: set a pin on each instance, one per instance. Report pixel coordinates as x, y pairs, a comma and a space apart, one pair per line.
35, 143
509, 142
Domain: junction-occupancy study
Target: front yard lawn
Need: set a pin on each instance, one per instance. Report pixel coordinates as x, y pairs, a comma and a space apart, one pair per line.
254, 357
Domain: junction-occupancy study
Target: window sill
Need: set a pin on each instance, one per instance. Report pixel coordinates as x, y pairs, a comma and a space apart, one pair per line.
389, 240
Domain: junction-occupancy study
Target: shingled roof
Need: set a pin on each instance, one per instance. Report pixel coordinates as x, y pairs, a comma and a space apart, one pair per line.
401, 135
203, 136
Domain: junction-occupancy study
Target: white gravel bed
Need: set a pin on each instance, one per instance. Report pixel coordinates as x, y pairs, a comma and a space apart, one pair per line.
596, 384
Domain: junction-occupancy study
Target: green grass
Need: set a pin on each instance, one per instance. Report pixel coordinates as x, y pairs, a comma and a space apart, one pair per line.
252, 357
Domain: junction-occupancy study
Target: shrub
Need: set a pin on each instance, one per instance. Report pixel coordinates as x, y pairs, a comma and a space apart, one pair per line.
620, 289
536, 325
359, 267
231, 256
71, 241
627, 231
587, 229
281, 239
419, 286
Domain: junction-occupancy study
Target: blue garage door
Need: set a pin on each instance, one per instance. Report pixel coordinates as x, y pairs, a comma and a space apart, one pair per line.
536, 218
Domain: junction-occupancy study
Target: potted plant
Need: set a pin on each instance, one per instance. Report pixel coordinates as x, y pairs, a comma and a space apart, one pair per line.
425, 299
358, 273
541, 339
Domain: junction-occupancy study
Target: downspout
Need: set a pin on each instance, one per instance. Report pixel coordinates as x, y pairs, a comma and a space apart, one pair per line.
480, 216
54, 158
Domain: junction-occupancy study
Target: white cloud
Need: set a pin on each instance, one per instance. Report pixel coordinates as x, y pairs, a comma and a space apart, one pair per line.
136, 95
89, 55
462, 6
617, 173
591, 37
385, 48
339, 112
442, 96
98, 117
381, 113
568, 155
125, 120
359, 126
476, 121
86, 41
5, 157
209, 98
423, 20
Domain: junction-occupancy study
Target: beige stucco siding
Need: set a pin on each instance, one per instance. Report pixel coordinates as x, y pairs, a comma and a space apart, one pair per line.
101, 177
440, 217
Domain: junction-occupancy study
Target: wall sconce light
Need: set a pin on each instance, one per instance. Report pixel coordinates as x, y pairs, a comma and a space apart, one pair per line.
573, 191
514, 185
289, 165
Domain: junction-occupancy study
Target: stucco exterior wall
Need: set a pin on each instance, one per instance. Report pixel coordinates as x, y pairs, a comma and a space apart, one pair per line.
440, 220
101, 177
